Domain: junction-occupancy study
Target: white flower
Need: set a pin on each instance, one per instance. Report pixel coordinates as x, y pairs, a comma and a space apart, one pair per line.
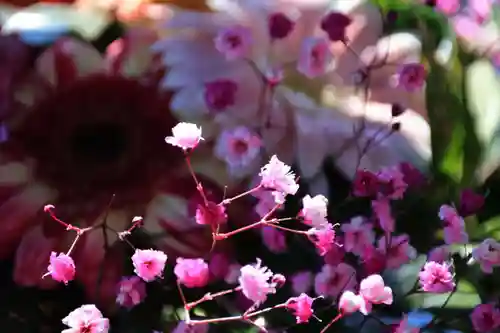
315, 210
185, 136
278, 176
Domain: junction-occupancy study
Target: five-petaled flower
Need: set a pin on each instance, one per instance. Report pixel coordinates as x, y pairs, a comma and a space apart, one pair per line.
149, 264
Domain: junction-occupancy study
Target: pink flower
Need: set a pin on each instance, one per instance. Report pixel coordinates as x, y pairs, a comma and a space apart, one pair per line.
314, 210
373, 259
192, 273
280, 26
149, 264
411, 175
349, 302
454, 226
302, 306
485, 318
61, 268
254, 282
182, 327
335, 254
488, 255
436, 278
374, 290
470, 203
239, 148
480, 9
323, 238
185, 136
131, 291
279, 177
335, 25
211, 214
391, 183
397, 250
274, 239
86, 319
411, 77
301, 282
332, 280
220, 94
365, 184
448, 7
357, 235
382, 209
315, 57
234, 42
439, 254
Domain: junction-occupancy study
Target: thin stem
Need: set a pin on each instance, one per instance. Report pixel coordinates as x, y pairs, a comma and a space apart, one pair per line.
199, 186
236, 318
229, 200
334, 320
209, 297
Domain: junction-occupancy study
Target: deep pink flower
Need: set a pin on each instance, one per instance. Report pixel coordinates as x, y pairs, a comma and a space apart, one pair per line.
411, 175
211, 214
301, 282
220, 94
374, 290
86, 319
332, 280
315, 57
314, 210
149, 264
374, 260
365, 184
454, 226
323, 238
131, 291
439, 254
382, 209
357, 235
335, 254
447, 7
185, 136
436, 278
470, 203
349, 302
61, 268
335, 25
302, 307
280, 26
273, 239
488, 255
279, 177
192, 273
411, 77
256, 282
391, 183
397, 250
485, 318
234, 42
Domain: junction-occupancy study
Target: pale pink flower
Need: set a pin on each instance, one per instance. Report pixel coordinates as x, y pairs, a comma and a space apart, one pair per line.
382, 209
411, 77
488, 255
301, 282
332, 280
255, 282
323, 238
314, 210
234, 42
131, 291
391, 183
61, 268
192, 273
185, 136
454, 226
239, 148
279, 177
182, 327
397, 250
436, 278
439, 254
273, 239
349, 302
86, 319
357, 235
302, 307
448, 7
315, 57
485, 318
480, 9
149, 264
374, 290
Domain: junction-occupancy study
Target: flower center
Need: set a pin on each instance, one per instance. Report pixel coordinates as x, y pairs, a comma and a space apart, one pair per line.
240, 146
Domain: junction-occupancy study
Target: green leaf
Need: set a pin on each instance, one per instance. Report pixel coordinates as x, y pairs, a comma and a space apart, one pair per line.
466, 297
488, 229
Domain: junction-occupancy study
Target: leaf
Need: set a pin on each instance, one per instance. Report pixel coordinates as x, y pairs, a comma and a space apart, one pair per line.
404, 278
419, 319
465, 297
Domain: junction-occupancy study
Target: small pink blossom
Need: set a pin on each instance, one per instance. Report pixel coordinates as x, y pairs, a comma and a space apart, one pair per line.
280, 25
397, 250
485, 318
411, 77
365, 184
391, 183
439, 254
61, 268
302, 307
301, 282
332, 280
454, 226
335, 25
488, 255
314, 210
185, 136
411, 175
149, 264
374, 290
273, 239
86, 319
234, 42
382, 209
220, 94
315, 57
192, 273
448, 7
349, 302
279, 177
436, 278
239, 148
357, 235
323, 238
255, 282
211, 214
131, 291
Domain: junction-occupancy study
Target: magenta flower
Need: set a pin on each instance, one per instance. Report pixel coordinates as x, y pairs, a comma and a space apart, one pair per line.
323, 238
365, 184
219, 265
315, 57
301, 282
61, 268
447, 7
439, 254
302, 307
411, 77
279, 177
131, 291
391, 183
470, 203
349, 302
488, 255
436, 278
332, 280
256, 282
149, 264
454, 226
411, 175
374, 290
280, 26
335, 25
357, 235
211, 214
273, 239
382, 209
220, 94
86, 319
314, 210
485, 318
396, 250
234, 42
192, 273
185, 136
